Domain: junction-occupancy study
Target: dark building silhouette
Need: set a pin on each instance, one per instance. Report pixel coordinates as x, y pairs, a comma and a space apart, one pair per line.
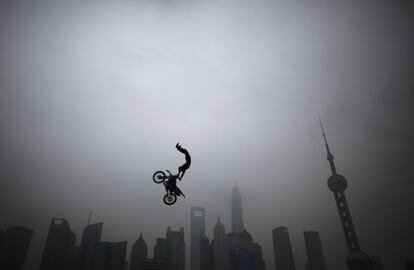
160, 250
356, 259
409, 265
110, 256
138, 254
197, 227
205, 253
236, 211
376, 263
171, 250
220, 248
244, 253
316, 259
91, 237
154, 264
59, 243
14, 244
175, 249
74, 261
282, 249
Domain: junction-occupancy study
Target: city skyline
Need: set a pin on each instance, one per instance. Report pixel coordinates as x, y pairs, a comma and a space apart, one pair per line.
213, 255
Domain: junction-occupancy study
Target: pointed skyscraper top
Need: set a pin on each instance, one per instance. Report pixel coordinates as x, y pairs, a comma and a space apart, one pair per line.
140, 240
236, 211
329, 157
218, 223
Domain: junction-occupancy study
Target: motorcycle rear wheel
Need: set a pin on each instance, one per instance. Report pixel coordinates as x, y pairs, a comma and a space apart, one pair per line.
169, 199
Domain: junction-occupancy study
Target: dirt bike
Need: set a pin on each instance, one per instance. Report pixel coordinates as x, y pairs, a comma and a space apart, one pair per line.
172, 191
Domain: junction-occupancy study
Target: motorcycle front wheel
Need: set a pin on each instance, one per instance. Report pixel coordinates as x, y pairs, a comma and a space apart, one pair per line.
170, 199
158, 177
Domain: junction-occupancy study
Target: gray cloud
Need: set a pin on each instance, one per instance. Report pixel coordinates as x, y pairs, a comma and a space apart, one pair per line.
95, 96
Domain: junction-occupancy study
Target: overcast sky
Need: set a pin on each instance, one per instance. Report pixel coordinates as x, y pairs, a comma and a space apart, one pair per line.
94, 97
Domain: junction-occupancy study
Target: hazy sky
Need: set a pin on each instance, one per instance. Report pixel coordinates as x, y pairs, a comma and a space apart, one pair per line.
94, 97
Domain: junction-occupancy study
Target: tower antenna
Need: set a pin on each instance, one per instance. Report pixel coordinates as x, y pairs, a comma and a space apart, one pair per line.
329, 157
89, 217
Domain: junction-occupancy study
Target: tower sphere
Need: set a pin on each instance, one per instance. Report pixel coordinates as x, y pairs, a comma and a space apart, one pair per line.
337, 183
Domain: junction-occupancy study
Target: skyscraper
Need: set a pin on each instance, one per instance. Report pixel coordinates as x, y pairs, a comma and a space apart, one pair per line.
282, 249
175, 249
160, 250
90, 239
110, 256
205, 254
171, 249
313, 244
244, 254
220, 247
356, 259
197, 227
236, 211
14, 247
74, 261
138, 254
59, 244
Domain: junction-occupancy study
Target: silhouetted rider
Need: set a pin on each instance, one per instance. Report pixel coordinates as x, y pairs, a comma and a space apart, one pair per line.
186, 165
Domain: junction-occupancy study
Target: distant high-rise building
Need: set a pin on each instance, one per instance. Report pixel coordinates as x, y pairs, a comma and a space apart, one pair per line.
282, 249
175, 249
356, 259
244, 253
59, 243
110, 256
220, 247
316, 259
197, 227
161, 250
237, 225
138, 254
247, 260
14, 246
74, 261
101, 256
91, 237
171, 249
205, 254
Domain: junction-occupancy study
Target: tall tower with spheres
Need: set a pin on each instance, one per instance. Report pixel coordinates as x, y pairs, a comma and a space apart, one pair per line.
356, 259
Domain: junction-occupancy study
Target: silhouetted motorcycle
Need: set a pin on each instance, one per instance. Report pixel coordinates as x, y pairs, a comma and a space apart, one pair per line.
171, 189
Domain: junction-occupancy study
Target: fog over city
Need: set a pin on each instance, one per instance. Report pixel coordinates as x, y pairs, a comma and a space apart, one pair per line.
94, 97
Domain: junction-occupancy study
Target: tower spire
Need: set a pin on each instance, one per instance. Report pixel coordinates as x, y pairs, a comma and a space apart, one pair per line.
329, 157
89, 217
356, 260
237, 225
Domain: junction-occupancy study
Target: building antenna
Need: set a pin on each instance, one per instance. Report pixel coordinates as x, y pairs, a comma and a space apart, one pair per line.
324, 137
329, 157
90, 217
